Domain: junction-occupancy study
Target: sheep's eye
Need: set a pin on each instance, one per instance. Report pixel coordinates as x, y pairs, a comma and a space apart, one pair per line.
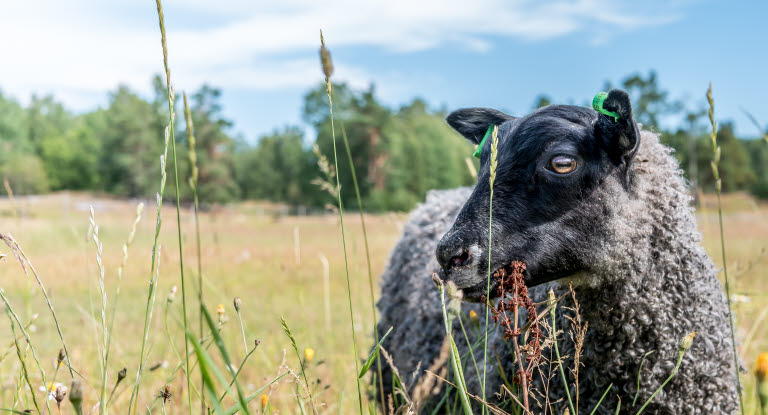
563, 164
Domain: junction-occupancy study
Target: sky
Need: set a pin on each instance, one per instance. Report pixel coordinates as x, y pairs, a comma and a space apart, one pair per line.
452, 53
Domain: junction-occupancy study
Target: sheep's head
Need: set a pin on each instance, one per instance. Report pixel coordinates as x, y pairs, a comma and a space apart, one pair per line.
561, 170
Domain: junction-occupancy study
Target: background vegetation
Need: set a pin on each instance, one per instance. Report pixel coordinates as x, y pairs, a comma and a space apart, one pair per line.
399, 153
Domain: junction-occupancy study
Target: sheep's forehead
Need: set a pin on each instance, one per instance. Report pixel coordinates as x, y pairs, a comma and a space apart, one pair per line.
535, 132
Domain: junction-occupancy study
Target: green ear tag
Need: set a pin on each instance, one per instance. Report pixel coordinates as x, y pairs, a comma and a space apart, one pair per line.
479, 149
597, 104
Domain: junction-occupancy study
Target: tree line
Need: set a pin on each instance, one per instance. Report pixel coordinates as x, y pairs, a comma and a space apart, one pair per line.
398, 153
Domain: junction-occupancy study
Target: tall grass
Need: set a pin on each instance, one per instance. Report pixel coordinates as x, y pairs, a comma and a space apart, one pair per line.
367, 258
158, 224
718, 188
327, 65
104, 328
193, 178
171, 125
492, 167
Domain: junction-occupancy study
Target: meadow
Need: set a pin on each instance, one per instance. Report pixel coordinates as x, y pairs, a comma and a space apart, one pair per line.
272, 261
269, 297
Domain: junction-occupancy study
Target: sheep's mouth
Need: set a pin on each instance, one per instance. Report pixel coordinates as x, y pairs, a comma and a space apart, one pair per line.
478, 292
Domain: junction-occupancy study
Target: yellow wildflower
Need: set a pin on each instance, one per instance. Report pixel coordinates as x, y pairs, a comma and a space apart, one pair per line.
309, 353
220, 310
473, 317
264, 402
761, 367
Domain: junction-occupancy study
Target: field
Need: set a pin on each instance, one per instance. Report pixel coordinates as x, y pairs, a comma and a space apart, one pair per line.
273, 262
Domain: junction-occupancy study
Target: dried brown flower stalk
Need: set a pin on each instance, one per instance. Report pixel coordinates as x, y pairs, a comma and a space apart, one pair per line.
514, 295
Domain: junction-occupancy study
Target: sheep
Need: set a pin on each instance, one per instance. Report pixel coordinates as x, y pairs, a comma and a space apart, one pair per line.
588, 199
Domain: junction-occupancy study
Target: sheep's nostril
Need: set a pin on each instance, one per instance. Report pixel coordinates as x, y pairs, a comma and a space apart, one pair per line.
461, 260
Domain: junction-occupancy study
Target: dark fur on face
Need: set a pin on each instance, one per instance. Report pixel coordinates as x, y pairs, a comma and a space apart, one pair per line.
541, 214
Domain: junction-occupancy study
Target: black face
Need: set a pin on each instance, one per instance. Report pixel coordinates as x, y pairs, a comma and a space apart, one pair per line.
559, 169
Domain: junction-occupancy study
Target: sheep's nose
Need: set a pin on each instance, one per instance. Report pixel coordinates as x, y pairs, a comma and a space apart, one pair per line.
452, 256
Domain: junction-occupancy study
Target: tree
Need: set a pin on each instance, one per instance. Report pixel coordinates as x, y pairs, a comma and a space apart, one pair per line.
398, 156
133, 142
214, 148
279, 168
649, 101
71, 158
736, 169
18, 162
541, 101
45, 118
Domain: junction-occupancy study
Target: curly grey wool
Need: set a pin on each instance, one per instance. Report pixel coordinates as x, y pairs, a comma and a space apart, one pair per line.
646, 289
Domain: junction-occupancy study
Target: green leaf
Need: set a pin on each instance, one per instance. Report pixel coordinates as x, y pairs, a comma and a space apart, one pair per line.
373, 355
207, 368
220, 344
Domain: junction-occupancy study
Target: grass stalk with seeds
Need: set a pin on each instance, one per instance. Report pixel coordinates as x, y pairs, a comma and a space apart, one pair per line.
493, 165
193, 178
171, 123
123, 263
327, 66
155, 246
298, 355
718, 188
103, 292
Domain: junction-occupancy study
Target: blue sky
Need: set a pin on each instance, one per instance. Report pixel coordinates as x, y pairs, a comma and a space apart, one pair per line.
493, 53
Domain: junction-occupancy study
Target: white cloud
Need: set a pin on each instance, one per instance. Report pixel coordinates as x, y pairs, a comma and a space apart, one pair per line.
79, 49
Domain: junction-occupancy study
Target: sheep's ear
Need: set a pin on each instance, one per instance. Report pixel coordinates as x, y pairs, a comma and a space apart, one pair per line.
617, 131
472, 123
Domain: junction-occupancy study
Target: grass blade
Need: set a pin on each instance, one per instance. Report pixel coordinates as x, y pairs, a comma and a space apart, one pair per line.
206, 368
685, 344
223, 350
374, 354
367, 257
191, 141
719, 187
601, 400
639, 372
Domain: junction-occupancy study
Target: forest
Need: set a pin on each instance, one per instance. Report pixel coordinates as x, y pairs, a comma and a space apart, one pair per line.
398, 153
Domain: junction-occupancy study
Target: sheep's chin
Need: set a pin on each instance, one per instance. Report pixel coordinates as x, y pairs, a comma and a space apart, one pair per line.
477, 292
